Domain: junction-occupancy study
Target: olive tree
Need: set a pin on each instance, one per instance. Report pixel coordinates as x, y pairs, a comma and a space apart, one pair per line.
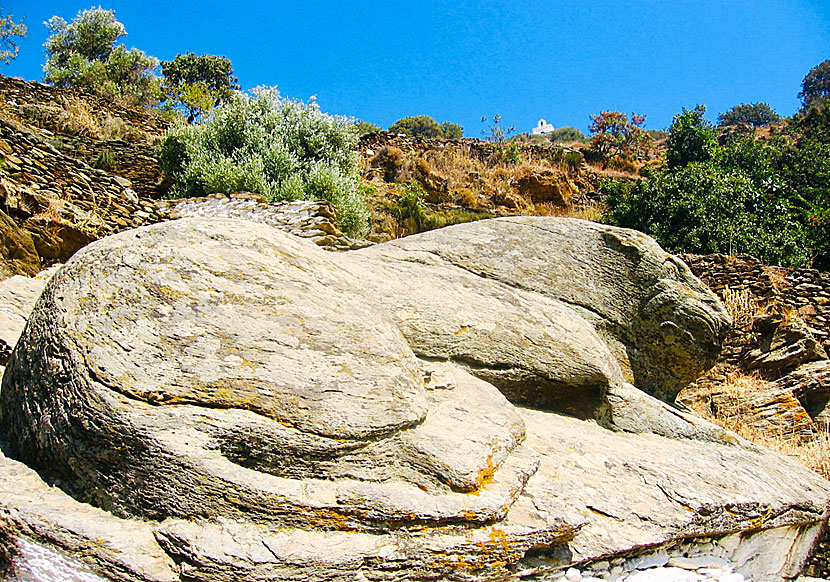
83, 53
755, 114
816, 85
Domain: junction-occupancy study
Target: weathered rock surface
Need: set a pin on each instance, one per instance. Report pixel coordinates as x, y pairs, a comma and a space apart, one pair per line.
783, 346
17, 298
17, 250
664, 327
810, 383
246, 406
548, 186
312, 219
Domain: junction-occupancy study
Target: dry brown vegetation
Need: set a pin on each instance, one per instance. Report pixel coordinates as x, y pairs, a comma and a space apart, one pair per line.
460, 183
738, 386
814, 453
73, 116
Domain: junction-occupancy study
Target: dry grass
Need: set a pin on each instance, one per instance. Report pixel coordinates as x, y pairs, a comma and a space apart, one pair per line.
814, 453
455, 175
743, 307
592, 211
778, 276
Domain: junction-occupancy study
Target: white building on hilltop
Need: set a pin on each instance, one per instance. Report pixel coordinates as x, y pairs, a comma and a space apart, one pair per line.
542, 128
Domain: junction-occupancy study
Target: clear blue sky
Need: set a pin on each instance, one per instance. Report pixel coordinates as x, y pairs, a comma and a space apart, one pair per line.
459, 60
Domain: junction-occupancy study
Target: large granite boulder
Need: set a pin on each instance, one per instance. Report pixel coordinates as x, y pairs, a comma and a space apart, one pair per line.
216, 400
662, 324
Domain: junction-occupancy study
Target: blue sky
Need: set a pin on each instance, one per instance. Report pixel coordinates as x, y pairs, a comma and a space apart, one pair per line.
457, 61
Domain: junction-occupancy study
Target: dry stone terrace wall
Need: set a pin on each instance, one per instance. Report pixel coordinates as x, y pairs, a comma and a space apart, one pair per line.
62, 201
19, 93
806, 291
483, 151
311, 219
132, 132
135, 162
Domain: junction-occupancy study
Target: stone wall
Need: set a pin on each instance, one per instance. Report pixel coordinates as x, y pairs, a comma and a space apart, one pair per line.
483, 151
311, 219
805, 291
18, 94
61, 201
84, 126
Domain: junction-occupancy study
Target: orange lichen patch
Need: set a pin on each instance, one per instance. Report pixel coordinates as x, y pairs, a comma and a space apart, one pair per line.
329, 519
485, 474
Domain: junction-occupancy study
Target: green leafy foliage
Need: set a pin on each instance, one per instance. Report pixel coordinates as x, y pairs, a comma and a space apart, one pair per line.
426, 126
701, 208
364, 127
414, 214
816, 86
691, 138
770, 199
198, 83
755, 114
567, 134
279, 148
83, 54
617, 138
9, 31
451, 130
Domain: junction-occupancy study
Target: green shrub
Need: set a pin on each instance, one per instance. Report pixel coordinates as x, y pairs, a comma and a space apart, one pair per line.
105, 160
279, 148
411, 204
9, 29
573, 159
567, 134
508, 153
691, 138
702, 209
755, 114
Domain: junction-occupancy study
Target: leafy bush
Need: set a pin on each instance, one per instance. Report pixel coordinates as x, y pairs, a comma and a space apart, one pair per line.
508, 153
451, 130
816, 86
426, 126
9, 29
567, 134
364, 127
417, 126
702, 209
691, 138
573, 159
755, 114
279, 148
84, 54
617, 138
768, 199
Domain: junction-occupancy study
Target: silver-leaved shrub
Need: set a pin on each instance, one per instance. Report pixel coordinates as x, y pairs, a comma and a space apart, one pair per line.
280, 148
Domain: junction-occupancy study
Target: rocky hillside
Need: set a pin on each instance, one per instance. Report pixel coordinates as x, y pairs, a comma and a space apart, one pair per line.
417, 184
75, 168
